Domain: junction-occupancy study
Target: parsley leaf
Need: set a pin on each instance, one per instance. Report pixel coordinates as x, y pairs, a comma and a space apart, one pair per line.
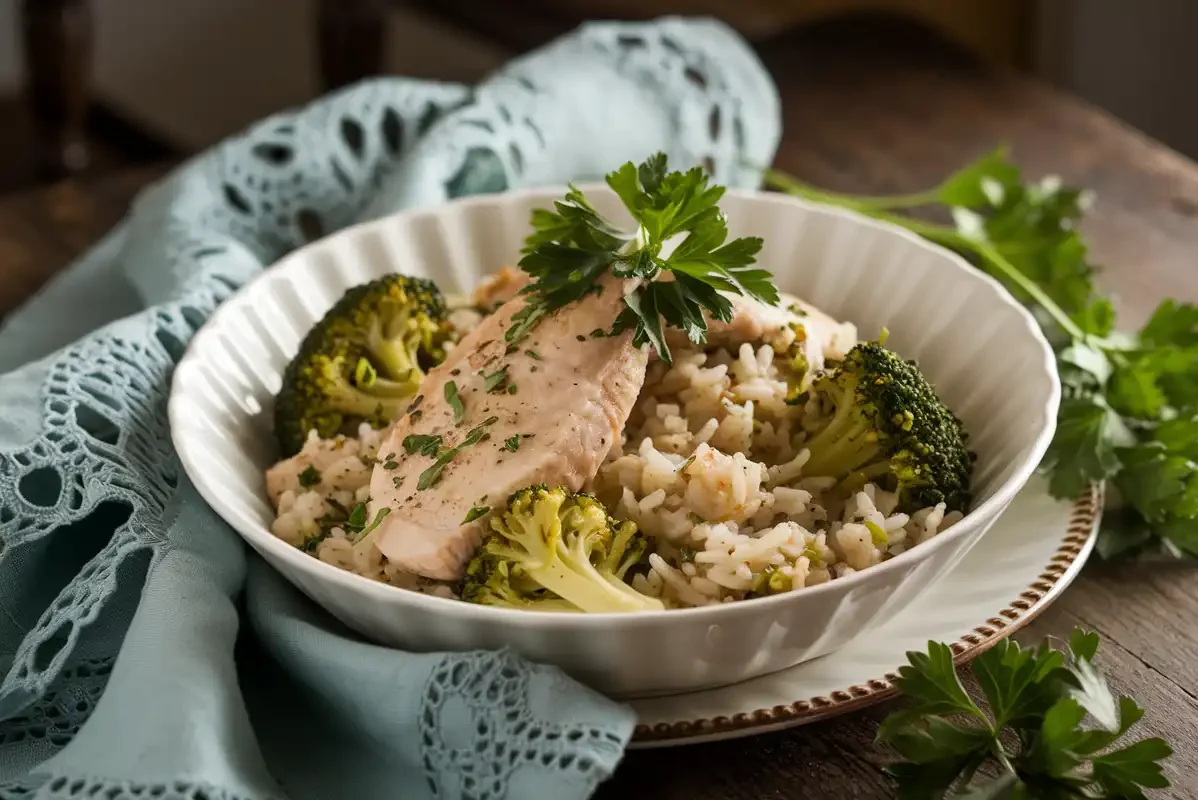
455, 402
379, 516
309, 477
1034, 734
430, 476
1083, 449
496, 380
424, 444
1123, 772
475, 513
512, 443
573, 246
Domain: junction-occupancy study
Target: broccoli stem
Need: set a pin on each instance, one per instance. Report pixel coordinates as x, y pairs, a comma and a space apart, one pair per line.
864, 204
387, 388
352, 400
572, 576
856, 481
397, 356
841, 450
845, 444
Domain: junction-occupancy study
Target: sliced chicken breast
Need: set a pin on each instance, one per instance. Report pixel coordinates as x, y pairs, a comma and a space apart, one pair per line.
489, 422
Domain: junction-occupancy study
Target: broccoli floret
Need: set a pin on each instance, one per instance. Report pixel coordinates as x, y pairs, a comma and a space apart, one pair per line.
555, 550
885, 423
363, 361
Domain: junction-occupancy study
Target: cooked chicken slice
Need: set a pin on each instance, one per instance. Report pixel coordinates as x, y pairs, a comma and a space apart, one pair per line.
546, 413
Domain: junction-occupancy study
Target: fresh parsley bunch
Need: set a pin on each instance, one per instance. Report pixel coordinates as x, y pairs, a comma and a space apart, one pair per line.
1129, 414
1033, 733
573, 245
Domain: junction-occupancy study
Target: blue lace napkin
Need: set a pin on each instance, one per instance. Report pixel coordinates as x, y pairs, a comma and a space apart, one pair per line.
142, 653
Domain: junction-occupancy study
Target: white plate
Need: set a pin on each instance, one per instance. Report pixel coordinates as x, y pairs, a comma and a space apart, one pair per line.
1030, 555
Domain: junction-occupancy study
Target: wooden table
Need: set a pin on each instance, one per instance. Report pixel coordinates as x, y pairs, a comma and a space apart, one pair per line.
880, 109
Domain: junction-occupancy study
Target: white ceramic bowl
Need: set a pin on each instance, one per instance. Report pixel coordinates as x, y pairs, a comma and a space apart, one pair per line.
983, 352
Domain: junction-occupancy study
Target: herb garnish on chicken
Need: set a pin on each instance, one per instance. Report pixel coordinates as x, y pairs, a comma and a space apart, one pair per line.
574, 245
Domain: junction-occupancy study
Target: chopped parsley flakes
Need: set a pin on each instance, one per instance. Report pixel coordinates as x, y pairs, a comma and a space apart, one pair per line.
496, 380
379, 516
430, 476
422, 443
455, 402
475, 513
309, 477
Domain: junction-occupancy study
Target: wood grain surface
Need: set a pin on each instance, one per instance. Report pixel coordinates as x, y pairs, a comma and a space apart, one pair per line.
884, 108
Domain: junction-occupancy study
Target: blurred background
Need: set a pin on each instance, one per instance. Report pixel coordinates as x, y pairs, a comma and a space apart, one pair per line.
120, 82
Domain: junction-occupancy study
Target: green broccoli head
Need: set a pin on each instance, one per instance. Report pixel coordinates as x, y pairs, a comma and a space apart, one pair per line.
886, 424
556, 550
363, 361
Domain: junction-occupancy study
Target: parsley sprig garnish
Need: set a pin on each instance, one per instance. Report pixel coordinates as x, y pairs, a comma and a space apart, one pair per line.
1129, 414
1032, 731
572, 247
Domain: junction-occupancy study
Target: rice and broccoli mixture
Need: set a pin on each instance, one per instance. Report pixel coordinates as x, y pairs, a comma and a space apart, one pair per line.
713, 469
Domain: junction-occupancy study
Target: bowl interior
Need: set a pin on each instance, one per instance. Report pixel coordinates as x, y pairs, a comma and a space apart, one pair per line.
981, 350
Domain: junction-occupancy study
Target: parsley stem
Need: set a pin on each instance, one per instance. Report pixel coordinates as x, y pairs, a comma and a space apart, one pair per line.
994, 260
941, 234
787, 184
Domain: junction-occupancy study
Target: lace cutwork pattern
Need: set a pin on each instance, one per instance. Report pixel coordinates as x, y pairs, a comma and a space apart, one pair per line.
505, 734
